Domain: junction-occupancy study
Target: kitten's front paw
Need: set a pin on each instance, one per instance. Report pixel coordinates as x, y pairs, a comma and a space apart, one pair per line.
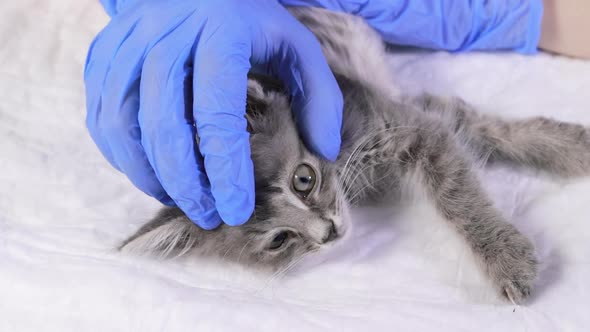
514, 267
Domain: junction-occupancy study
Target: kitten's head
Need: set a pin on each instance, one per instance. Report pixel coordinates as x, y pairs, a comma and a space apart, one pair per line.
300, 207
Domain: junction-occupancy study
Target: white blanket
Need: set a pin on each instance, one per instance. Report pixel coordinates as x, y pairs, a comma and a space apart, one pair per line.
63, 209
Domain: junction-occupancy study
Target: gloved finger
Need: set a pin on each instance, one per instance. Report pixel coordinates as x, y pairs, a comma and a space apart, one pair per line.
168, 135
222, 61
317, 99
111, 100
119, 121
101, 52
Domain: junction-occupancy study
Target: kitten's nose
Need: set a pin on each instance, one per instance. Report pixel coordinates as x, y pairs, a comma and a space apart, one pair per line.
332, 233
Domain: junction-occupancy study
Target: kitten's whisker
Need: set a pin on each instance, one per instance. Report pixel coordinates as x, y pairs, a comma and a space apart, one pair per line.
244, 247
362, 144
188, 246
283, 271
369, 184
255, 216
352, 155
351, 168
227, 251
361, 172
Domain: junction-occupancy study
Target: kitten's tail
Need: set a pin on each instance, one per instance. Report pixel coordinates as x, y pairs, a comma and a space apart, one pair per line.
352, 48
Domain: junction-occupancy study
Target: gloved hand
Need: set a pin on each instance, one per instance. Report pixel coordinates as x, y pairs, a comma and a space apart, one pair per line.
160, 68
447, 24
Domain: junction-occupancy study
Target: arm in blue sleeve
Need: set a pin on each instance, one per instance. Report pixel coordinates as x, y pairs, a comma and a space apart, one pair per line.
453, 25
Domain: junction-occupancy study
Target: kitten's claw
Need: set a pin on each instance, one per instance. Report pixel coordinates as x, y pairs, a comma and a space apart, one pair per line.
514, 268
516, 292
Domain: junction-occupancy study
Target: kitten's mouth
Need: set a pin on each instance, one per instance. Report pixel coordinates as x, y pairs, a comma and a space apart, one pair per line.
335, 234
332, 234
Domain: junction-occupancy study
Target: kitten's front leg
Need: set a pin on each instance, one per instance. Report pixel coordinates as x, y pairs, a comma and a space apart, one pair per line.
447, 177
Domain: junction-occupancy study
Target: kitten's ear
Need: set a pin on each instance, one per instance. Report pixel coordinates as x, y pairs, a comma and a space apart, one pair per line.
263, 93
255, 105
268, 83
168, 234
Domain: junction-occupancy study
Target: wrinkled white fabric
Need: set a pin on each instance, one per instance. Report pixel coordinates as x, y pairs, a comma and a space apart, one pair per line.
63, 209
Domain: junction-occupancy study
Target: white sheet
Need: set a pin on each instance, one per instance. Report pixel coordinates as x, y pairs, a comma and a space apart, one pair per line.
63, 209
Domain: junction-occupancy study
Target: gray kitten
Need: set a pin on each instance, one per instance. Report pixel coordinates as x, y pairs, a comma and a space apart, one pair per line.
388, 144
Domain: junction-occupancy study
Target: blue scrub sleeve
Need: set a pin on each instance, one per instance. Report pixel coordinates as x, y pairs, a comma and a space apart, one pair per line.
452, 25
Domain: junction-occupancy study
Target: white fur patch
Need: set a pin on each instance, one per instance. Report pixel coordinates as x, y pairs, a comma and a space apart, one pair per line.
170, 239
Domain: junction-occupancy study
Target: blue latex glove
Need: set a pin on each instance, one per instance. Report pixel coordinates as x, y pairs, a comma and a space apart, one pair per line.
156, 57
453, 25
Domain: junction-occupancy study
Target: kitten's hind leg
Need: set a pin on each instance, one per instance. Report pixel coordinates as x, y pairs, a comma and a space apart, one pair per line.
556, 147
446, 176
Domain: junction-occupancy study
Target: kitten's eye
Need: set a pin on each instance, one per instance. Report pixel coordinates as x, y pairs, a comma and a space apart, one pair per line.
303, 180
278, 241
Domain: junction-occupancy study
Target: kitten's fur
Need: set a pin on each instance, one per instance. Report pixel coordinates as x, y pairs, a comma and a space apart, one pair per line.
388, 143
